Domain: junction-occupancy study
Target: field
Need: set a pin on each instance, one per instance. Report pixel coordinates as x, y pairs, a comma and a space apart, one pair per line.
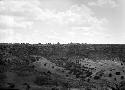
62, 66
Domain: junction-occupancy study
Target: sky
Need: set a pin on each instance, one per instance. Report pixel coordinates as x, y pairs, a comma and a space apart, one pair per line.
64, 21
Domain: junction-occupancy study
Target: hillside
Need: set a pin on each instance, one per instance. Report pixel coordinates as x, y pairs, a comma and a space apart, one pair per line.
61, 65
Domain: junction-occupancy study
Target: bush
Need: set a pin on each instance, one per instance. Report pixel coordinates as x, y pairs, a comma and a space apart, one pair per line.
44, 80
2, 79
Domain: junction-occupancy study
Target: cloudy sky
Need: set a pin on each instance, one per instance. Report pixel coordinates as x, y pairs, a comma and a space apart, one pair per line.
64, 21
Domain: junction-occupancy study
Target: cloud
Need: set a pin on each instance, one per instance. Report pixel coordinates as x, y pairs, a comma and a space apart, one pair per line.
7, 21
26, 21
103, 3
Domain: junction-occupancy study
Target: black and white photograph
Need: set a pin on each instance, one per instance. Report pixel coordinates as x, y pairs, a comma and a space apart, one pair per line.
62, 44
